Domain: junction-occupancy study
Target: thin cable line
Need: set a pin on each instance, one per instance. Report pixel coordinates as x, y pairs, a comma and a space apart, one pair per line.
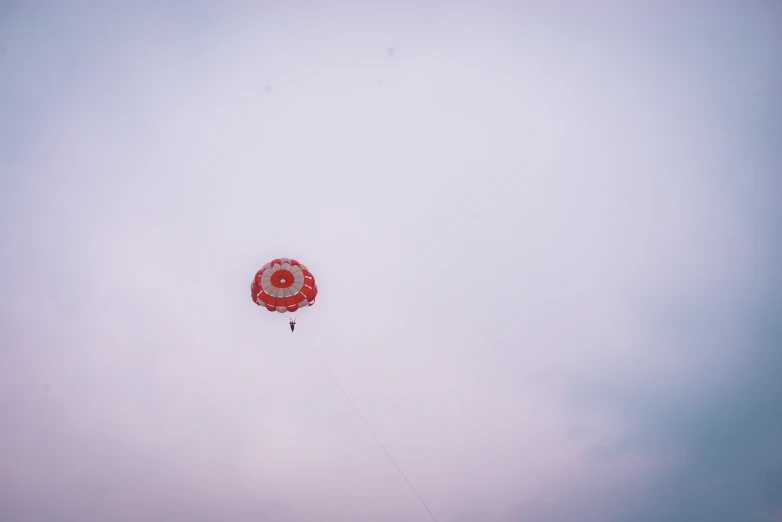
373, 433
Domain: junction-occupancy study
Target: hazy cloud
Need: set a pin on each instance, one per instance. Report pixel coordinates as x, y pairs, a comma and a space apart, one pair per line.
546, 242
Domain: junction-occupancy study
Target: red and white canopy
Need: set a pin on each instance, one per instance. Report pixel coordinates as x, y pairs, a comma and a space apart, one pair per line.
284, 285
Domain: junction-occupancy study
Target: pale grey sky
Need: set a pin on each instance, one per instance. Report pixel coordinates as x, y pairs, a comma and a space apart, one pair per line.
546, 240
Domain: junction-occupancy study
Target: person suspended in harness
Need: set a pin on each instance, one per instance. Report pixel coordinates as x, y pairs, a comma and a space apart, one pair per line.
293, 324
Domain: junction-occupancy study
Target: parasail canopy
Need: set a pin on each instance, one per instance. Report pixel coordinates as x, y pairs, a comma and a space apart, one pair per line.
284, 285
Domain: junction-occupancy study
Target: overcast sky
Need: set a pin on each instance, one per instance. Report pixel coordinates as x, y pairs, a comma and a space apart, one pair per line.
547, 242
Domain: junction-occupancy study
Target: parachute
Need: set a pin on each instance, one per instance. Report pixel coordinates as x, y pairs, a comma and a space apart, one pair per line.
284, 285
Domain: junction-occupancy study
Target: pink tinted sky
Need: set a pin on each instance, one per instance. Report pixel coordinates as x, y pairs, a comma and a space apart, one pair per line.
546, 242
